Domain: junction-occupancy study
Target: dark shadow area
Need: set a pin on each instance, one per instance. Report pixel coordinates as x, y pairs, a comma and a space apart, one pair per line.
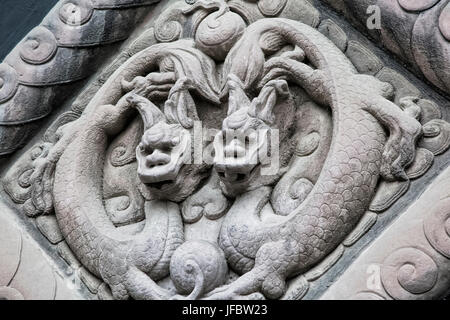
17, 18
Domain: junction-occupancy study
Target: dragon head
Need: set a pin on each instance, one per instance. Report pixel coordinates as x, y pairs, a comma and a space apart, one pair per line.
249, 134
162, 154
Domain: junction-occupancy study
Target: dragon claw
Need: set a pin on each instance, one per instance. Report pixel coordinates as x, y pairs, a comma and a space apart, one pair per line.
400, 149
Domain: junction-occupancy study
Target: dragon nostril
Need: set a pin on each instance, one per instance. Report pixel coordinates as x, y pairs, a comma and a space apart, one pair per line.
247, 143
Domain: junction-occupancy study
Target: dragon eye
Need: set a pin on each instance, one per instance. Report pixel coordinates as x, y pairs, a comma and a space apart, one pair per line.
141, 147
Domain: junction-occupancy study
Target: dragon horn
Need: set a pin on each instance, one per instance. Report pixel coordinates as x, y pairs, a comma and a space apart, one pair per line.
149, 112
237, 97
264, 104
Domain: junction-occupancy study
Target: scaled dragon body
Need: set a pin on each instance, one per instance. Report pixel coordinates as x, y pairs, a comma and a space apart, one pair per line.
265, 250
130, 263
269, 250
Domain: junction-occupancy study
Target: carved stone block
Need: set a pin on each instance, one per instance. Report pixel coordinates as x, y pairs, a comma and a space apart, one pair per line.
230, 150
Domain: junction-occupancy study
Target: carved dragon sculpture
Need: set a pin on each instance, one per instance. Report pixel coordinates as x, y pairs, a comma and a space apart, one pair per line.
126, 262
269, 250
247, 130
372, 137
129, 262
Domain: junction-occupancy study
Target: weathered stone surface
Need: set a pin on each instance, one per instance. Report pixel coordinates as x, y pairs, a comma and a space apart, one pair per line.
49, 228
417, 31
363, 59
25, 271
65, 48
410, 260
235, 150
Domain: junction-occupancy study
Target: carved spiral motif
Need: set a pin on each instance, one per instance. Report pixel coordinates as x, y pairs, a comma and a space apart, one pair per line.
168, 31
8, 82
300, 189
308, 145
39, 46
436, 136
198, 267
121, 156
216, 35
437, 228
409, 272
76, 12
120, 203
24, 178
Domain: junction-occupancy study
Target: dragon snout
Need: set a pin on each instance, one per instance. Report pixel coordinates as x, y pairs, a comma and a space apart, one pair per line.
234, 170
235, 161
232, 177
157, 158
160, 161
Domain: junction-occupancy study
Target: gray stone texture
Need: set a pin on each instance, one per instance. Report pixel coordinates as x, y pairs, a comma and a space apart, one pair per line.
115, 189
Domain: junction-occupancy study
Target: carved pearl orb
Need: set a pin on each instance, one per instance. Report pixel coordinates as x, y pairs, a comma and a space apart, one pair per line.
199, 265
216, 35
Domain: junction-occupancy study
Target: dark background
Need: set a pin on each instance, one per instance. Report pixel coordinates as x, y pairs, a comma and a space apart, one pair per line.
17, 18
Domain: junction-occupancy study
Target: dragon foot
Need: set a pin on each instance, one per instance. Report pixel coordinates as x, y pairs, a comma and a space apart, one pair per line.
153, 86
258, 284
139, 286
400, 149
231, 292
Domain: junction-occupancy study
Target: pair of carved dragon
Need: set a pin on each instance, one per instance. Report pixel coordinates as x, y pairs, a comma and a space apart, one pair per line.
255, 74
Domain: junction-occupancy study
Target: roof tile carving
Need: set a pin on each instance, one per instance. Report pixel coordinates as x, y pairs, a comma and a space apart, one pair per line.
418, 31
65, 48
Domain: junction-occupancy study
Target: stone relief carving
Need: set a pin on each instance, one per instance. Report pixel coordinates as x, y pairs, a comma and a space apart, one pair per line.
21, 259
49, 62
414, 267
416, 31
152, 223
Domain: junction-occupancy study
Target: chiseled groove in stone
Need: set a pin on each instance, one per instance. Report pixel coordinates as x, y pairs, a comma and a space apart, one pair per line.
32, 276
400, 35
403, 261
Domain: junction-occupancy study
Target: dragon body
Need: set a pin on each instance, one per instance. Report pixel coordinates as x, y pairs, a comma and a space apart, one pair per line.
125, 262
269, 248
128, 262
